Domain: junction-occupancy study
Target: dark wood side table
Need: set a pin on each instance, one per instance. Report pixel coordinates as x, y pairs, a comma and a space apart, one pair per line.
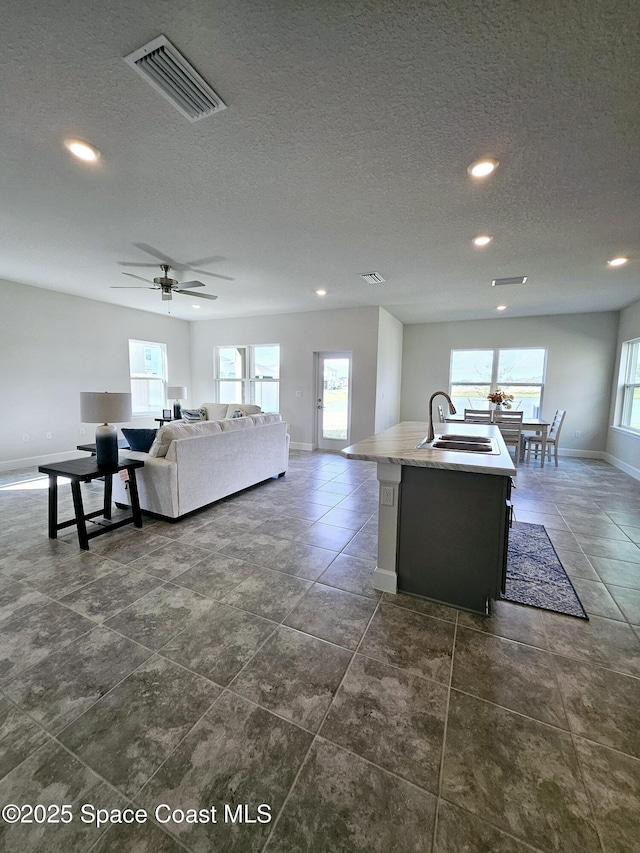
123, 444
83, 471
163, 421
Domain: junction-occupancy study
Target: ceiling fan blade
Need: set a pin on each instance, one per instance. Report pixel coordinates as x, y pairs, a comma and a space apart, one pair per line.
186, 284
202, 262
160, 255
131, 287
132, 264
133, 275
197, 295
212, 274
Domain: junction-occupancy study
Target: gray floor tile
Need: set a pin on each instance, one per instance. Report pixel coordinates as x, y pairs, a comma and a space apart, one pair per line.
596, 599
160, 615
216, 575
126, 548
340, 802
332, 614
325, 536
461, 832
51, 776
603, 641
19, 736
220, 643
269, 594
134, 838
238, 753
421, 605
628, 600
495, 760
352, 574
18, 600
524, 624
392, 718
617, 572
65, 684
601, 705
347, 518
215, 535
169, 560
419, 644
612, 548
294, 675
23, 559
27, 641
108, 595
58, 580
577, 564
364, 545
613, 782
507, 673
134, 728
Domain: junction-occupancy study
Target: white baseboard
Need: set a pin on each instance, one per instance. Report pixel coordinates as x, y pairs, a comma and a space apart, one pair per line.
385, 580
300, 445
33, 461
623, 466
584, 454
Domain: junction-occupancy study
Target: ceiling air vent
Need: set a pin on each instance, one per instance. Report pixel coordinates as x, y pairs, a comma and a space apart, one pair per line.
372, 277
162, 65
517, 279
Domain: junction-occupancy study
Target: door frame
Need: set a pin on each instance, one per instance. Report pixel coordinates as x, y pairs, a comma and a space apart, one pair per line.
332, 444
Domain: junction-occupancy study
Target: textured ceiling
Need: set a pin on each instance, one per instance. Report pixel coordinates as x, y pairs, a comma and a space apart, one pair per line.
343, 150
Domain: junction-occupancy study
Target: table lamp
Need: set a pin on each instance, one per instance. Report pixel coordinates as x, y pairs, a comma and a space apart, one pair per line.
176, 393
105, 409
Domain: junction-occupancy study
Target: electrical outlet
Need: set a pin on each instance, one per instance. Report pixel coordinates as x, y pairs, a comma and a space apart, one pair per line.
578, 434
25, 436
298, 393
82, 431
48, 436
386, 495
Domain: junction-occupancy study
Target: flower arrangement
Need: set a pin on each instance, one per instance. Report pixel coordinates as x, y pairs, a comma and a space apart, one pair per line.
500, 398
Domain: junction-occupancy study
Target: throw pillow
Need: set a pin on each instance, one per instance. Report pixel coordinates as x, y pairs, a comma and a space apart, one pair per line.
140, 439
194, 414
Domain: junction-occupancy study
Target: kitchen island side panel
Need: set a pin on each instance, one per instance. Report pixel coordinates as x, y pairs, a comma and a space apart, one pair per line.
451, 536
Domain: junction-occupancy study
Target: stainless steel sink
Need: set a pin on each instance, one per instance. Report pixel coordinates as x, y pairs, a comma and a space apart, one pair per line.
462, 444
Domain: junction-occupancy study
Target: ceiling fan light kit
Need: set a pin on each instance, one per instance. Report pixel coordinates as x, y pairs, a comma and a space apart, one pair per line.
167, 286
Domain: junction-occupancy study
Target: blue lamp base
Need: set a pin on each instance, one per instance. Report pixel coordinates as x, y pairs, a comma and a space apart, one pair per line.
106, 445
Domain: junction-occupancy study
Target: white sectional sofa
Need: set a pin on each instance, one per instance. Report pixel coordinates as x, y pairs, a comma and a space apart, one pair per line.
190, 465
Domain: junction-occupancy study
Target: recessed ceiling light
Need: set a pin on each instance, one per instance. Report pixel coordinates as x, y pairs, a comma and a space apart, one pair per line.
82, 150
482, 240
482, 168
321, 292
196, 306
501, 307
617, 262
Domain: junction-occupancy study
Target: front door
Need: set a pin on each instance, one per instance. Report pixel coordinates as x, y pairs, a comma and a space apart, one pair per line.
333, 400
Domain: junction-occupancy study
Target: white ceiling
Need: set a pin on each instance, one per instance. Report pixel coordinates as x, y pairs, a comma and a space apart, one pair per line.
343, 149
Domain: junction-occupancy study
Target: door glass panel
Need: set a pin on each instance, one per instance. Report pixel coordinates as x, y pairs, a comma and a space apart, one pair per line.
335, 398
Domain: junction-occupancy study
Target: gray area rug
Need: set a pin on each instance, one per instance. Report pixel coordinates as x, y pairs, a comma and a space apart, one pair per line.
535, 575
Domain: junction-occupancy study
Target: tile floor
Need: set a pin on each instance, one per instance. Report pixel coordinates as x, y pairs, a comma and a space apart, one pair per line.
242, 657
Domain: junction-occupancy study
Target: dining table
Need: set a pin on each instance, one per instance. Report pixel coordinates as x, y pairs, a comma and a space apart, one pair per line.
529, 424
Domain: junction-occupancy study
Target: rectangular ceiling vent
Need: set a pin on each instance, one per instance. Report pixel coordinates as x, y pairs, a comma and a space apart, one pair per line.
162, 65
372, 277
517, 279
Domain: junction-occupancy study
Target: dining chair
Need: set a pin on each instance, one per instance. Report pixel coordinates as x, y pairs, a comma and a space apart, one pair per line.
553, 437
510, 426
478, 416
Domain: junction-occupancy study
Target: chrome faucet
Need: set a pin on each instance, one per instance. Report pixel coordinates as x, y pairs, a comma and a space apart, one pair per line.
452, 410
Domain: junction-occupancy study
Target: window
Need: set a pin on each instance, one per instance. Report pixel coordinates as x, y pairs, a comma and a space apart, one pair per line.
631, 385
474, 373
248, 374
148, 372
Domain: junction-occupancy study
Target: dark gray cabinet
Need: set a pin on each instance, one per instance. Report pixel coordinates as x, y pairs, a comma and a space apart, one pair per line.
452, 536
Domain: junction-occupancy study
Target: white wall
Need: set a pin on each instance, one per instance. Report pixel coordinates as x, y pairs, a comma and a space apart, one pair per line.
300, 335
581, 351
623, 447
52, 347
389, 371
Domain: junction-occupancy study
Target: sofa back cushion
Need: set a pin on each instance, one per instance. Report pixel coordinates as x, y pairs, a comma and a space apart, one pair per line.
139, 439
180, 429
215, 411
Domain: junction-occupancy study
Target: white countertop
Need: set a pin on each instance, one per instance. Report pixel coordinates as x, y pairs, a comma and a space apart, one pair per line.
397, 445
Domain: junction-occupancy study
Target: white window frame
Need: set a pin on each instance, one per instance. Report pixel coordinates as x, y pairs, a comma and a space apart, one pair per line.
630, 355
494, 371
249, 378
147, 377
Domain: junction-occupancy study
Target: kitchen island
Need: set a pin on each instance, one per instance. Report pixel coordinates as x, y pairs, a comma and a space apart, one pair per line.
444, 514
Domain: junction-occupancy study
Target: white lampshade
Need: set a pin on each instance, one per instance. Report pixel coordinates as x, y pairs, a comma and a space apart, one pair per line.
104, 408
176, 392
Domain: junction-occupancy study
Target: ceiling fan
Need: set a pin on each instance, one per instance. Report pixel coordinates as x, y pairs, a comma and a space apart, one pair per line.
176, 265
167, 286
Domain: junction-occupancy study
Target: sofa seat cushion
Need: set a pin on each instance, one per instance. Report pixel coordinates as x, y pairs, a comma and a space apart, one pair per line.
180, 429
